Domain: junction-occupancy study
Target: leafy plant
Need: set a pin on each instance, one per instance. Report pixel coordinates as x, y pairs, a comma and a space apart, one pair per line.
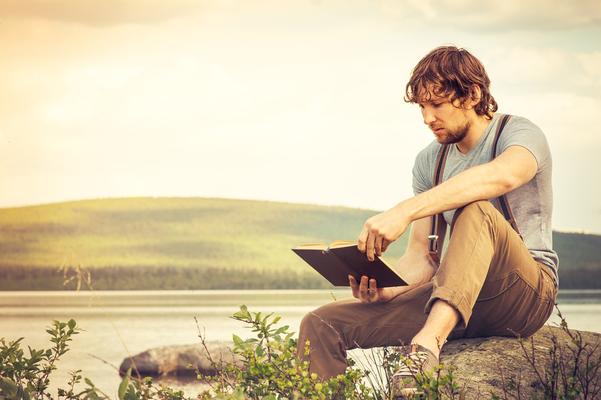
269, 368
26, 378
437, 384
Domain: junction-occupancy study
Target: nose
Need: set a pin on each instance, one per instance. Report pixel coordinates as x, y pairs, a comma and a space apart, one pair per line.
428, 115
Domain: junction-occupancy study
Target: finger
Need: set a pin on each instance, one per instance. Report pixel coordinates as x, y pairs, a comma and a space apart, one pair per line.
378, 245
363, 237
364, 289
373, 289
385, 244
354, 286
369, 246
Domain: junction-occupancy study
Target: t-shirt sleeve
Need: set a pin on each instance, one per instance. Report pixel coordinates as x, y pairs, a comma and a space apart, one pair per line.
521, 132
422, 171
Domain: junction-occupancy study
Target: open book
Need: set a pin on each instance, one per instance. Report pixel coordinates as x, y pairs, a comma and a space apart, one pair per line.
342, 258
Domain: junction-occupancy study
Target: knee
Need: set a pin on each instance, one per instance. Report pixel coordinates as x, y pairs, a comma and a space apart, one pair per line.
309, 323
479, 207
320, 322
309, 331
306, 324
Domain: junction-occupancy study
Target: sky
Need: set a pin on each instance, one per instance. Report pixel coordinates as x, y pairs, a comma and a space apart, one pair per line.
298, 101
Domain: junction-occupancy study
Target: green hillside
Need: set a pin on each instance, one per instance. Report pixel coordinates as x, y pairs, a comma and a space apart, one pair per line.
579, 260
142, 243
200, 243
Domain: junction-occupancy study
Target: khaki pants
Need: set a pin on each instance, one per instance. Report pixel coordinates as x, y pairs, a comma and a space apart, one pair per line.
487, 275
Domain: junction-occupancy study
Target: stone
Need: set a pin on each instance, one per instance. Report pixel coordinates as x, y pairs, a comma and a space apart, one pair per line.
486, 365
173, 361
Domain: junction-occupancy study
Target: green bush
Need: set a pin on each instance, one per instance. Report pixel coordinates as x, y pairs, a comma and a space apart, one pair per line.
270, 369
25, 378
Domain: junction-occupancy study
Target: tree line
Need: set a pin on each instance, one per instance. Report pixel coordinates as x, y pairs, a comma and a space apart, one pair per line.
198, 278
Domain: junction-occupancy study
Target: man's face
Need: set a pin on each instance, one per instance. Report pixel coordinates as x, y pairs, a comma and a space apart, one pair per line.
449, 122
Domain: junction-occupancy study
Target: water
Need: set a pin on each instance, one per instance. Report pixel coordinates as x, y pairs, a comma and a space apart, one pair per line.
143, 320
140, 320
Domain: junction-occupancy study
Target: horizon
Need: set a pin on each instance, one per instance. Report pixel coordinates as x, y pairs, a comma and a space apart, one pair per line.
561, 230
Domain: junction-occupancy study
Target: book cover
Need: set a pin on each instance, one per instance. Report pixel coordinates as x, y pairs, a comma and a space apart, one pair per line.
337, 261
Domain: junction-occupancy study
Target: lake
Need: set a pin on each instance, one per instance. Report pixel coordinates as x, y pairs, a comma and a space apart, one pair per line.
135, 321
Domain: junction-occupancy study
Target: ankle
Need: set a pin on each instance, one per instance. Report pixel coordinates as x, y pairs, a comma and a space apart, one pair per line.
430, 344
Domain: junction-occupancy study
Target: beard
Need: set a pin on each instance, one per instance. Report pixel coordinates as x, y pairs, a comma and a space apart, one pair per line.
454, 135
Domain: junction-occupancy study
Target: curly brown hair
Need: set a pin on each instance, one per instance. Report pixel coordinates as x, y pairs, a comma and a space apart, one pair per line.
451, 72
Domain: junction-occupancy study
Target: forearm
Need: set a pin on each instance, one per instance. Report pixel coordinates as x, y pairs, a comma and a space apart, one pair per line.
383, 229
514, 167
477, 183
416, 269
510, 170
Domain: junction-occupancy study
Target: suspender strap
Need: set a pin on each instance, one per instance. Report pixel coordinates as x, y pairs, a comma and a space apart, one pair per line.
438, 229
502, 200
439, 225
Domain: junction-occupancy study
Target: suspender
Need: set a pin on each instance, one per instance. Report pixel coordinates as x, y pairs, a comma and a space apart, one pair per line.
439, 225
502, 200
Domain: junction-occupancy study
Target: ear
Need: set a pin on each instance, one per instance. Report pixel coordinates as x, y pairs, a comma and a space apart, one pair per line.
476, 96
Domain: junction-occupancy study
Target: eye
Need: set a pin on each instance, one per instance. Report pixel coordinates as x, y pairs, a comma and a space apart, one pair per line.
436, 105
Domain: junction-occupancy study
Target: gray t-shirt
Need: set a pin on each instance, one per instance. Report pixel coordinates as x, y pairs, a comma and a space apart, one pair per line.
531, 203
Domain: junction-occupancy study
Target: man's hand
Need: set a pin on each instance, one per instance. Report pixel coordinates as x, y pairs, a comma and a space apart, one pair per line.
381, 230
368, 292
416, 267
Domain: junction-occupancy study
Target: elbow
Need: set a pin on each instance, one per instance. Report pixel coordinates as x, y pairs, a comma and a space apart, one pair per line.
510, 183
504, 184
507, 183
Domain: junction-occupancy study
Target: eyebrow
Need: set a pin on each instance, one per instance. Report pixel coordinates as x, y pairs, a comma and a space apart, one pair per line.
434, 99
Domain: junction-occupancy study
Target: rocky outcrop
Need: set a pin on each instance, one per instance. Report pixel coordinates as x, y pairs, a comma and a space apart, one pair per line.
486, 365
483, 365
173, 361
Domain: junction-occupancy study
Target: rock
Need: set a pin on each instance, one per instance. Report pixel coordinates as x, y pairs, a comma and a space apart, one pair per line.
173, 360
482, 365
488, 364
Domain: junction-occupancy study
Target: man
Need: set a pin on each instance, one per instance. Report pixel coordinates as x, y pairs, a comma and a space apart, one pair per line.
490, 282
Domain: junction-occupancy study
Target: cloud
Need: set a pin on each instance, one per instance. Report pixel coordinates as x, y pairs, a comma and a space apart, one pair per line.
591, 63
495, 15
535, 65
545, 15
98, 12
543, 71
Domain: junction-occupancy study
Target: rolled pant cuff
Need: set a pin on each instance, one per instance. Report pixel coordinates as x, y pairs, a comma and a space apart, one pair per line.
455, 300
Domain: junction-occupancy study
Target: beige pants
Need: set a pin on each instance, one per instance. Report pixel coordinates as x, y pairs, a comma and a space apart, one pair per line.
487, 275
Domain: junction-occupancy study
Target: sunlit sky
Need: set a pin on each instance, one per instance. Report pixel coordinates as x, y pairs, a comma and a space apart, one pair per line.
298, 101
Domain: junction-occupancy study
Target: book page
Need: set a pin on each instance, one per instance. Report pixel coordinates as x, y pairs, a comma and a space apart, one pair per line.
316, 246
342, 243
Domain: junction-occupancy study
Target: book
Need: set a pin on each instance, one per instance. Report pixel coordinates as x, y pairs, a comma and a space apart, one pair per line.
337, 261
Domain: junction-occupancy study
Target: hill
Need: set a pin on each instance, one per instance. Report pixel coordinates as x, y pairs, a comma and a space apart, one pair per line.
171, 243
199, 243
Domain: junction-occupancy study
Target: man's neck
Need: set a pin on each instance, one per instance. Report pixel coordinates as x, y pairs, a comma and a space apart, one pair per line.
479, 123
